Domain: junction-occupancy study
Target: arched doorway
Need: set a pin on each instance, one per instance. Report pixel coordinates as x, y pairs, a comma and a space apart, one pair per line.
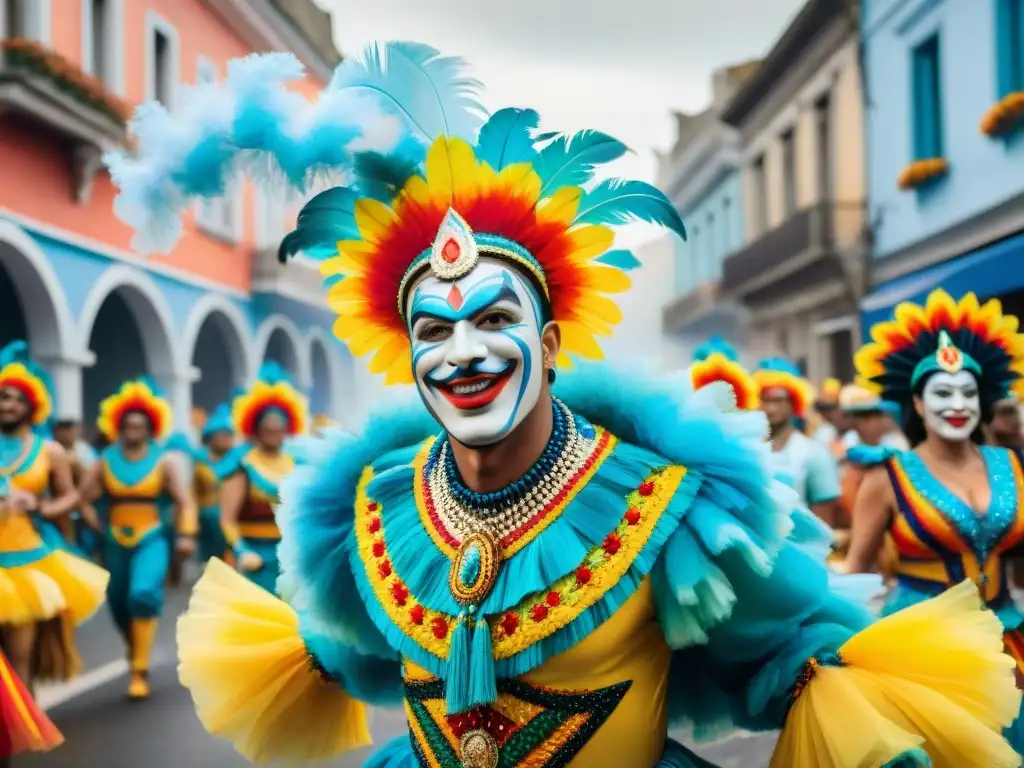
33, 306
321, 394
216, 341
278, 340
129, 331
281, 350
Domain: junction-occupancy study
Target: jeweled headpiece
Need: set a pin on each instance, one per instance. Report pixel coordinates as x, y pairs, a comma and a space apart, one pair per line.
718, 367
434, 196
17, 370
139, 396
272, 390
943, 335
715, 345
778, 373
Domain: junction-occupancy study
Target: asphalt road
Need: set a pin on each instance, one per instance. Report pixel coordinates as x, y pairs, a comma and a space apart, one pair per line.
104, 730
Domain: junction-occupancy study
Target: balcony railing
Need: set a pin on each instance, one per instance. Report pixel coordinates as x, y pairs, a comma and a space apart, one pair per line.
39, 86
811, 233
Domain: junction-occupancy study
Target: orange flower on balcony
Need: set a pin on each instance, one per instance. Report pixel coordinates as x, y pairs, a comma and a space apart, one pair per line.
1005, 116
921, 172
33, 58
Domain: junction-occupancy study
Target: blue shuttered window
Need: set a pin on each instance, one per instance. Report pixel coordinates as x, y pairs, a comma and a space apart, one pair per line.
1009, 46
926, 90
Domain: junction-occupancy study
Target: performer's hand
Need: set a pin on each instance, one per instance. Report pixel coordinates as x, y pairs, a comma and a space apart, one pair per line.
249, 561
23, 500
185, 546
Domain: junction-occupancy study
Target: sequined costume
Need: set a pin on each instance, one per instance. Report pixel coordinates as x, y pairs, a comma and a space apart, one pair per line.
637, 575
134, 496
939, 539
255, 530
39, 584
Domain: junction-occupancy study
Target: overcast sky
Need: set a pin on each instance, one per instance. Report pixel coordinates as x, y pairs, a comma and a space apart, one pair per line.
617, 65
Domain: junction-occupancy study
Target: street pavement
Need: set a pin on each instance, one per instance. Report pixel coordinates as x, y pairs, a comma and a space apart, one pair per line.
104, 730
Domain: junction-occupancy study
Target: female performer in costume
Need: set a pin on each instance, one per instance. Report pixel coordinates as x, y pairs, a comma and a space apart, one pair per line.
140, 495
568, 565
218, 434
271, 411
954, 507
44, 593
799, 461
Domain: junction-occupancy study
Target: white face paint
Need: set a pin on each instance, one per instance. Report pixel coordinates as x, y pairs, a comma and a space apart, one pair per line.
476, 351
951, 405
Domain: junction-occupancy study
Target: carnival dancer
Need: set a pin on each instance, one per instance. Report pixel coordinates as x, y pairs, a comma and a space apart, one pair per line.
567, 566
1004, 427
264, 416
44, 593
799, 461
954, 507
139, 494
23, 725
218, 435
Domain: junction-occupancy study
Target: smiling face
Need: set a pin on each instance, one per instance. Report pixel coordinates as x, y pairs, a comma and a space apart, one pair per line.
477, 354
950, 406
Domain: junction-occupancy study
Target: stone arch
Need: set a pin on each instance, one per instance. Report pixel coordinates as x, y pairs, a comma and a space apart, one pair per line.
216, 332
279, 339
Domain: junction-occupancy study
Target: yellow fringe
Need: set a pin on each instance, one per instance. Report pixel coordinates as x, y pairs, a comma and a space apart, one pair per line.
243, 661
933, 676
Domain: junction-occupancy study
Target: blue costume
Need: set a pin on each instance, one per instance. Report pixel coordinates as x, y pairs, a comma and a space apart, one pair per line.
637, 575
206, 482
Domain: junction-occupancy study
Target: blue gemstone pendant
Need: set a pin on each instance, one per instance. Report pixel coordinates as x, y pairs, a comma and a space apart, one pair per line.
475, 568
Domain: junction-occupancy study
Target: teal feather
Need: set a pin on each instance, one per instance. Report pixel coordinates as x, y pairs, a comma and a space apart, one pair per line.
382, 176
506, 138
620, 259
322, 222
569, 161
618, 201
420, 85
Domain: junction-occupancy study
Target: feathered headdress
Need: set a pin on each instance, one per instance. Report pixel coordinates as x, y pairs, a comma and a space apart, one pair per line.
438, 194
715, 345
829, 391
718, 367
142, 396
17, 370
271, 390
943, 335
219, 420
778, 373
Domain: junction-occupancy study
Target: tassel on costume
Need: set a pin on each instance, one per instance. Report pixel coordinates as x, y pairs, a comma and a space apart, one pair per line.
470, 682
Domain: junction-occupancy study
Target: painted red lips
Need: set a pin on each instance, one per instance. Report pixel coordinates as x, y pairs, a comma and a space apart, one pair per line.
470, 393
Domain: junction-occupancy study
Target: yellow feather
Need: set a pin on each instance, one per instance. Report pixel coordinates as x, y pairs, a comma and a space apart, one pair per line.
563, 361
601, 307
373, 218
392, 349
416, 190
519, 180
446, 159
606, 279
578, 340
561, 206
589, 242
400, 372
351, 288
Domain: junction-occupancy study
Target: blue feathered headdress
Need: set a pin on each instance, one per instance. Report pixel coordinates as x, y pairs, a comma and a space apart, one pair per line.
18, 370
219, 420
715, 344
431, 184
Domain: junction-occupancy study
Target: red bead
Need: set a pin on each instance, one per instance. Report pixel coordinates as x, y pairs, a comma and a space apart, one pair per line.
416, 614
372, 506
374, 525
646, 488
539, 612
378, 549
384, 569
612, 543
440, 628
553, 599
632, 515
583, 575
451, 251
510, 623
399, 592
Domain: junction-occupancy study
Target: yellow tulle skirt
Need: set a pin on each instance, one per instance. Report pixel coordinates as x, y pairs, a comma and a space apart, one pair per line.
244, 662
932, 677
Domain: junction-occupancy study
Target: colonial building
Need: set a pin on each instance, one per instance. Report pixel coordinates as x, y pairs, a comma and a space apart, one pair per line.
945, 88
701, 174
800, 274
202, 319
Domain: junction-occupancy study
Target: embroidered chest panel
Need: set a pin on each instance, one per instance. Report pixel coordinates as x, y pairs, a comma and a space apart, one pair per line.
525, 726
424, 631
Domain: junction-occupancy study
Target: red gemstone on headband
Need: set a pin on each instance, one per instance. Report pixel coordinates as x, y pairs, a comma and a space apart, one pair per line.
455, 299
451, 251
